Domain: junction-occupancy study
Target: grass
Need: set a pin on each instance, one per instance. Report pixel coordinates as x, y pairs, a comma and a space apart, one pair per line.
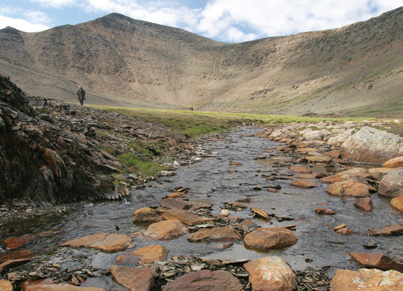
140, 165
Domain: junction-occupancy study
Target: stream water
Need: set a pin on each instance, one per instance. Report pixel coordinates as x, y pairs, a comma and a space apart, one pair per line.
214, 180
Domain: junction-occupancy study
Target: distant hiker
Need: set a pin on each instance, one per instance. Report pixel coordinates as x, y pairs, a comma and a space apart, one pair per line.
81, 95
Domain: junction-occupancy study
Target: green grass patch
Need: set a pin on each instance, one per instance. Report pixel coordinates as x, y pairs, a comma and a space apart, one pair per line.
140, 165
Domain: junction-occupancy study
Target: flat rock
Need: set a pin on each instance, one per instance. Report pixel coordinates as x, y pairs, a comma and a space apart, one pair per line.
141, 279
378, 173
12, 263
246, 226
48, 285
264, 239
391, 184
322, 211
205, 280
367, 279
393, 229
146, 215
175, 204
319, 159
184, 216
166, 230
335, 154
300, 170
377, 260
106, 242
364, 203
349, 189
271, 273
397, 203
6, 285
394, 163
304, 184
145, 255
217, 234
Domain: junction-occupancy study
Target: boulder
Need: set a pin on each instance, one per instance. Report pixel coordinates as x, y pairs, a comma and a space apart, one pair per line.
106, 242
184, 216
246, 226
377, 260
364, 203
304, 184
218, 234
378, 173
205, 280
48, 285
349, 189
141, 279
6, 285
146, 255
397, 203
319, 159
166, 230
271, 273
393, 229
341, 138
370, 145
367, 279
391, 184
394, 163
264, 239
146, 215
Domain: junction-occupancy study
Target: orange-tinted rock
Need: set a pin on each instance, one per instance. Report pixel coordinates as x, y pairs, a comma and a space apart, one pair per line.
271, 273
218, 234
264, 239
146, 215
348, 188
147, 254
319, 159
300, 170
364, 203
332, 179
391, 184
105, 242
393, 229
304, 184
6, 285
394, 163
184, 216
306, 176
377, 260
366, 279
379, 173
205, 280
397, 203
141, 279
13, 243
12, 263
324, 211
22, 254
333, 154
232, 163
166, 230
48, 285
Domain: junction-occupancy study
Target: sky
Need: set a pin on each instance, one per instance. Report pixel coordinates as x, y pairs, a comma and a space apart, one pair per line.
221, 20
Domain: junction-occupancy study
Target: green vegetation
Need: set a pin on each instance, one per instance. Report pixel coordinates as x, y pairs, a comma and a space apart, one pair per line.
140, 165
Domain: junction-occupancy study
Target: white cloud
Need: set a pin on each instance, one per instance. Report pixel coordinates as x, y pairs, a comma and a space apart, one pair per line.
56, 3
22, 24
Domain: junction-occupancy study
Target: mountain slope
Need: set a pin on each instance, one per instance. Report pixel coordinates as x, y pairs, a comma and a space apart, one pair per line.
355, 69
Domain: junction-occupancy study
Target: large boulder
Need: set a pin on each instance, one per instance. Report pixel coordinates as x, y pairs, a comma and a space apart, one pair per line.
265, 239
166, 230
366, 279
105, 242
341, 138
205, 280
391, 184
271, 273
371, 145
349, 189
142, 279
397, 203
394, 163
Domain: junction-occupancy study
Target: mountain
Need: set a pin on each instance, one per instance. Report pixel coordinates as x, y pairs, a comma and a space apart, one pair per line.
352, 70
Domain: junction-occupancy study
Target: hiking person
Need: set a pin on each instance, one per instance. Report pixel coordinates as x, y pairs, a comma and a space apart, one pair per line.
81, 95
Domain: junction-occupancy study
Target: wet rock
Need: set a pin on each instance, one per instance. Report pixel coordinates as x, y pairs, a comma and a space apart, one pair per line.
246, 226
205, 280
335, 154
379, 173
364, 203
175, 204
366, 279
147, 255
15, 242
106, 242
245, 200
332, 179
343, 229
237, 205
271, 273
264, 239
261, 213
393, 229
397, 203
391, 184
348, 188
12, 263
134, 278
218, 234
370, 145
377, 260
224, 212
300, 170
6, 285
319, 159
185, 217
166, 230
146, 215
324, 211
48, 285
394, 163
306, 150
233, 163
22, 254
304, 184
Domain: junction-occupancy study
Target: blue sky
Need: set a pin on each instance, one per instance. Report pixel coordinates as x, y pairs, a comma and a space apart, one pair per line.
222, 20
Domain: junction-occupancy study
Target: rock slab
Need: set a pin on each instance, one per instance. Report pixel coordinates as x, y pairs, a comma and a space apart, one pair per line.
377, 260
264, 239
106, 242
139, 279
166, 230
218, 234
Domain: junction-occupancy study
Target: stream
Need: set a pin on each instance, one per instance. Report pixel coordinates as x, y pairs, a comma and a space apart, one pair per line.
214, 180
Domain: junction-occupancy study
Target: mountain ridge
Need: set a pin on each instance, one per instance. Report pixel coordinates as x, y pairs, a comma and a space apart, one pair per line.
354, 69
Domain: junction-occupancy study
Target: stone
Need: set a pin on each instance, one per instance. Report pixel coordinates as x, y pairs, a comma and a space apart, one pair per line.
379, 173
397, 203
364, 203
391, 184
377, 260
166, 230
349, 189
335, 154
246, 226
6, 285
48, 285
367, 279
141, 279
175, 204
12, 263
304, 184
341, 138
13, 243
233, 163
217, 234
306, 150
224, 212
106, 242
271, 273
21, 254
393, 229
319, 159
394, 163
324, 211
146, 215
205, 280
332, 179
300, 170
265, 239
147, 255
371, 145
184, 216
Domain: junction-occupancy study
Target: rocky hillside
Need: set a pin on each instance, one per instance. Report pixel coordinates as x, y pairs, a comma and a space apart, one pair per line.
52, 152
353, 70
